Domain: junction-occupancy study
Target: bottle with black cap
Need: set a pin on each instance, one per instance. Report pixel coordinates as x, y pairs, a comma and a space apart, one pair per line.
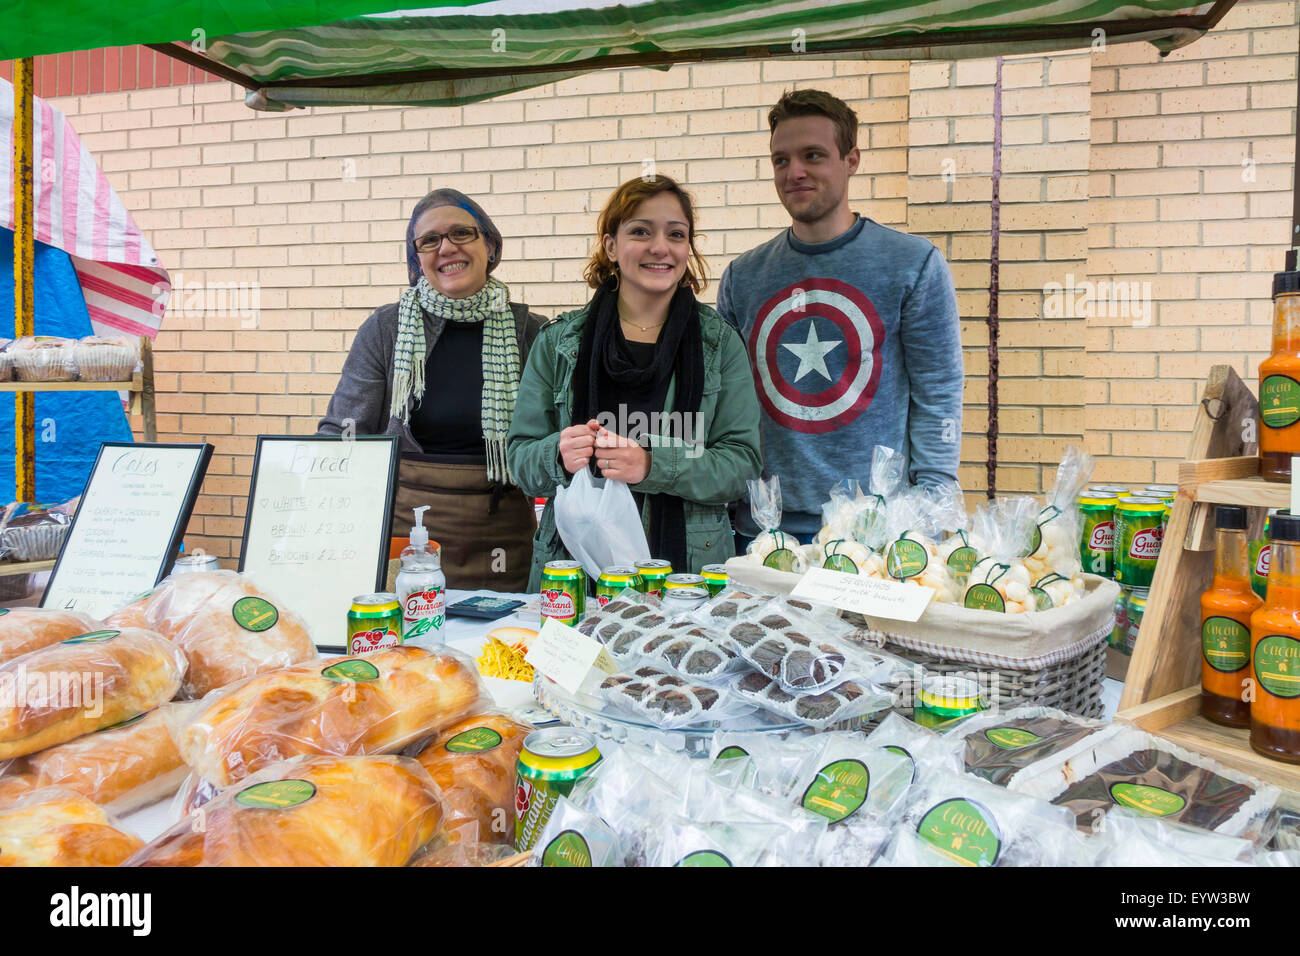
1279, 380
1275, 648
1225, 623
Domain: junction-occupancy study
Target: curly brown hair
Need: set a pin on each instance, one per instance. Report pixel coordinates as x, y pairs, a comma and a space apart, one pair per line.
620, 206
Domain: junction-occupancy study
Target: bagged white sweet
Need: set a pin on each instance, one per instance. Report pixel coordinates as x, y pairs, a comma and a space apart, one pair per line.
773, 548
1127, 838
912, 556
762, 761
999, 580
574, 837
928, 752
1053, 558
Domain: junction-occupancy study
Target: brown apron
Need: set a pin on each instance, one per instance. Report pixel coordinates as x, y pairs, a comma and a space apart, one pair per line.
486, 531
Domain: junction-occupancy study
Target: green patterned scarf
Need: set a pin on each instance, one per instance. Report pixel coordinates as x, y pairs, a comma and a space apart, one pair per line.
490, 305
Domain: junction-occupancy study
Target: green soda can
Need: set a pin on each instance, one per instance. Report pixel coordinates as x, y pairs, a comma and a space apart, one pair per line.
654, 574
1107, 491
1161, 491
1119, 631
715, 578
613, 581
1261, 554
551, 761
1137, 605
1097, 540
564, 591
1139, 530
374, 622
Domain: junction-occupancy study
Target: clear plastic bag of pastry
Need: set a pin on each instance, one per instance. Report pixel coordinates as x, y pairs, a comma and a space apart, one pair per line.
957, 820
688, 649
84, 684
848, 781
309, 811
846, 701
928, 751
27, 629
464, 854
1128, 838
34, 533
1053, 559
102, 358
914, 521
574, 837
763, 761
668, 701
630, 616
614, 607
773, 548
44, 358
54, 826
730, 605
121, 768
999, 581
377, 703
996, 745
629, 795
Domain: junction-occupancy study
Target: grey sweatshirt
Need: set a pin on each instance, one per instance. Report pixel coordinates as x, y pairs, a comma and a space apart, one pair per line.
855, 342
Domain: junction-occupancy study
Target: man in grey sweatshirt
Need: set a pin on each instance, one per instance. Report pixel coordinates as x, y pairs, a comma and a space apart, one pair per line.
852, 327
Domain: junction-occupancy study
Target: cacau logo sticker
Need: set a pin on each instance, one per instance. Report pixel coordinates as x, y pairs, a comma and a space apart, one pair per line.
835, 334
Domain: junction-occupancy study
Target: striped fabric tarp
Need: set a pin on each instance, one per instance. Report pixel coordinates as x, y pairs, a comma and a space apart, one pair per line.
125, 287
503, 37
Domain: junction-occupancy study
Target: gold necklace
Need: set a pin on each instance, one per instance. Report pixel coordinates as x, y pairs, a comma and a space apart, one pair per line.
643, 328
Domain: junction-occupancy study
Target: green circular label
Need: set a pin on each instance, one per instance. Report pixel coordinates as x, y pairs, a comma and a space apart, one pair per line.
963, 831
840, 562
473, 741
703, 858
1011, 738
730, 753
962, 560
984, 597
1279, 401
838, 791
1151, 801
906, 559
1277, 665
276, 794
94, 637
254, 614
782, 559
353, 670
1042, 600
567, 849
1225, 644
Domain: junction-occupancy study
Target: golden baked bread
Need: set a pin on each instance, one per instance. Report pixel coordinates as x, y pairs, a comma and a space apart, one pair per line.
27, 629
321, 811
52, 827
228, 628
473, 763
123, 768
84, 684
338, 705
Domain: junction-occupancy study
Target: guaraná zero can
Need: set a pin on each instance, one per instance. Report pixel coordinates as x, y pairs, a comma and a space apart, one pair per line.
564, 591
1097, 540
1139, 530
374, 622
551, 761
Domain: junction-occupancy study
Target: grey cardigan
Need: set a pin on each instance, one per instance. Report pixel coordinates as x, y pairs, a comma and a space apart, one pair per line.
365, 387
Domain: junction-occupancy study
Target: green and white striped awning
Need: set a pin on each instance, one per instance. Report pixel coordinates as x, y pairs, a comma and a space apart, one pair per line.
343, 52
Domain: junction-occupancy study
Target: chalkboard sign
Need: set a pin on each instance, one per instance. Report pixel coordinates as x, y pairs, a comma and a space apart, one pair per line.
317, 528
128, 526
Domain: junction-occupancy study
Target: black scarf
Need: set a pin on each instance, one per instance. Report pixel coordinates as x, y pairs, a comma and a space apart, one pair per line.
605, 364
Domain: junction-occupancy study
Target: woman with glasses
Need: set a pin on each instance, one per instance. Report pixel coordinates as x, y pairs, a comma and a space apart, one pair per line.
440, 368
645, 385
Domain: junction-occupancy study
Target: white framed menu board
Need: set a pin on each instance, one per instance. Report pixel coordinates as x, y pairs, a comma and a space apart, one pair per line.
317, 526
128, 526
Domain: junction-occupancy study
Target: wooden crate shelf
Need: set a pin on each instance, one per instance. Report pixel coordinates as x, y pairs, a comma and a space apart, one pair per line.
136, 384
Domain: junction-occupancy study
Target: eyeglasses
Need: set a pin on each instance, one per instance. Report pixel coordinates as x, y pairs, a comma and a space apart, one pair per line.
459, 236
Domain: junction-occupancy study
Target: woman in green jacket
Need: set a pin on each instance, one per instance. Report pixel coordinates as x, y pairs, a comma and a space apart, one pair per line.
644, 385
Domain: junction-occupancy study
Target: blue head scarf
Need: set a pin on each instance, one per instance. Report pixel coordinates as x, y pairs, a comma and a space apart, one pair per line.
452, 197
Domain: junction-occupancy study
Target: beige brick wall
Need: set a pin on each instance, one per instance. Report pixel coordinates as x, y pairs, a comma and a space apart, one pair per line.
1112, 161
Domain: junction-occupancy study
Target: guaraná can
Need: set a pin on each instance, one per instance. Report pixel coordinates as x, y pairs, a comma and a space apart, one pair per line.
1261, 555
1139, 530
564, 591
682, 600
191, 563
551, 761
613, 582
947, 698
715, 578
654, 575
684, 581
374, 623
1097, 540
1119, 630
1137, 605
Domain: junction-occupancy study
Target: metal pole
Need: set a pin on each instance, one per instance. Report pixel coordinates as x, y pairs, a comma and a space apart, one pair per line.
991, 463
24, 258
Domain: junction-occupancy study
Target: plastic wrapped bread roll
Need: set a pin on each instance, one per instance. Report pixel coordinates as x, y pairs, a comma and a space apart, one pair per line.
473, 764
121, 768
55, 827
340, 705
85, 684
318, 811
27, 629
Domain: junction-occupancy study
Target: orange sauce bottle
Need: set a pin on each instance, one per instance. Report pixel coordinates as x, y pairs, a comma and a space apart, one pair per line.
1279, 382
1225, 623
1275, 648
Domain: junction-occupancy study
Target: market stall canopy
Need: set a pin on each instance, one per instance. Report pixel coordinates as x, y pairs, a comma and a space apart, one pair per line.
354, 53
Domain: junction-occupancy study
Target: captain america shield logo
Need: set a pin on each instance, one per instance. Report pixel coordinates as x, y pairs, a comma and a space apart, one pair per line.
815, 347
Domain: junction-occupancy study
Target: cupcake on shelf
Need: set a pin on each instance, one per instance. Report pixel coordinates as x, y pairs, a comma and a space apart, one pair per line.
6, 361
103, 359
44, 358
36, 535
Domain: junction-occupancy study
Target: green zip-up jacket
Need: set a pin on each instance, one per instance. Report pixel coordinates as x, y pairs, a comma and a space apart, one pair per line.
704, 478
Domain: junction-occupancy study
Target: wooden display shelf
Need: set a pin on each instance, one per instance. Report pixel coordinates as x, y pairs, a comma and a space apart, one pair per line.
1231, 481
136, 384
8, 569
1177, 718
